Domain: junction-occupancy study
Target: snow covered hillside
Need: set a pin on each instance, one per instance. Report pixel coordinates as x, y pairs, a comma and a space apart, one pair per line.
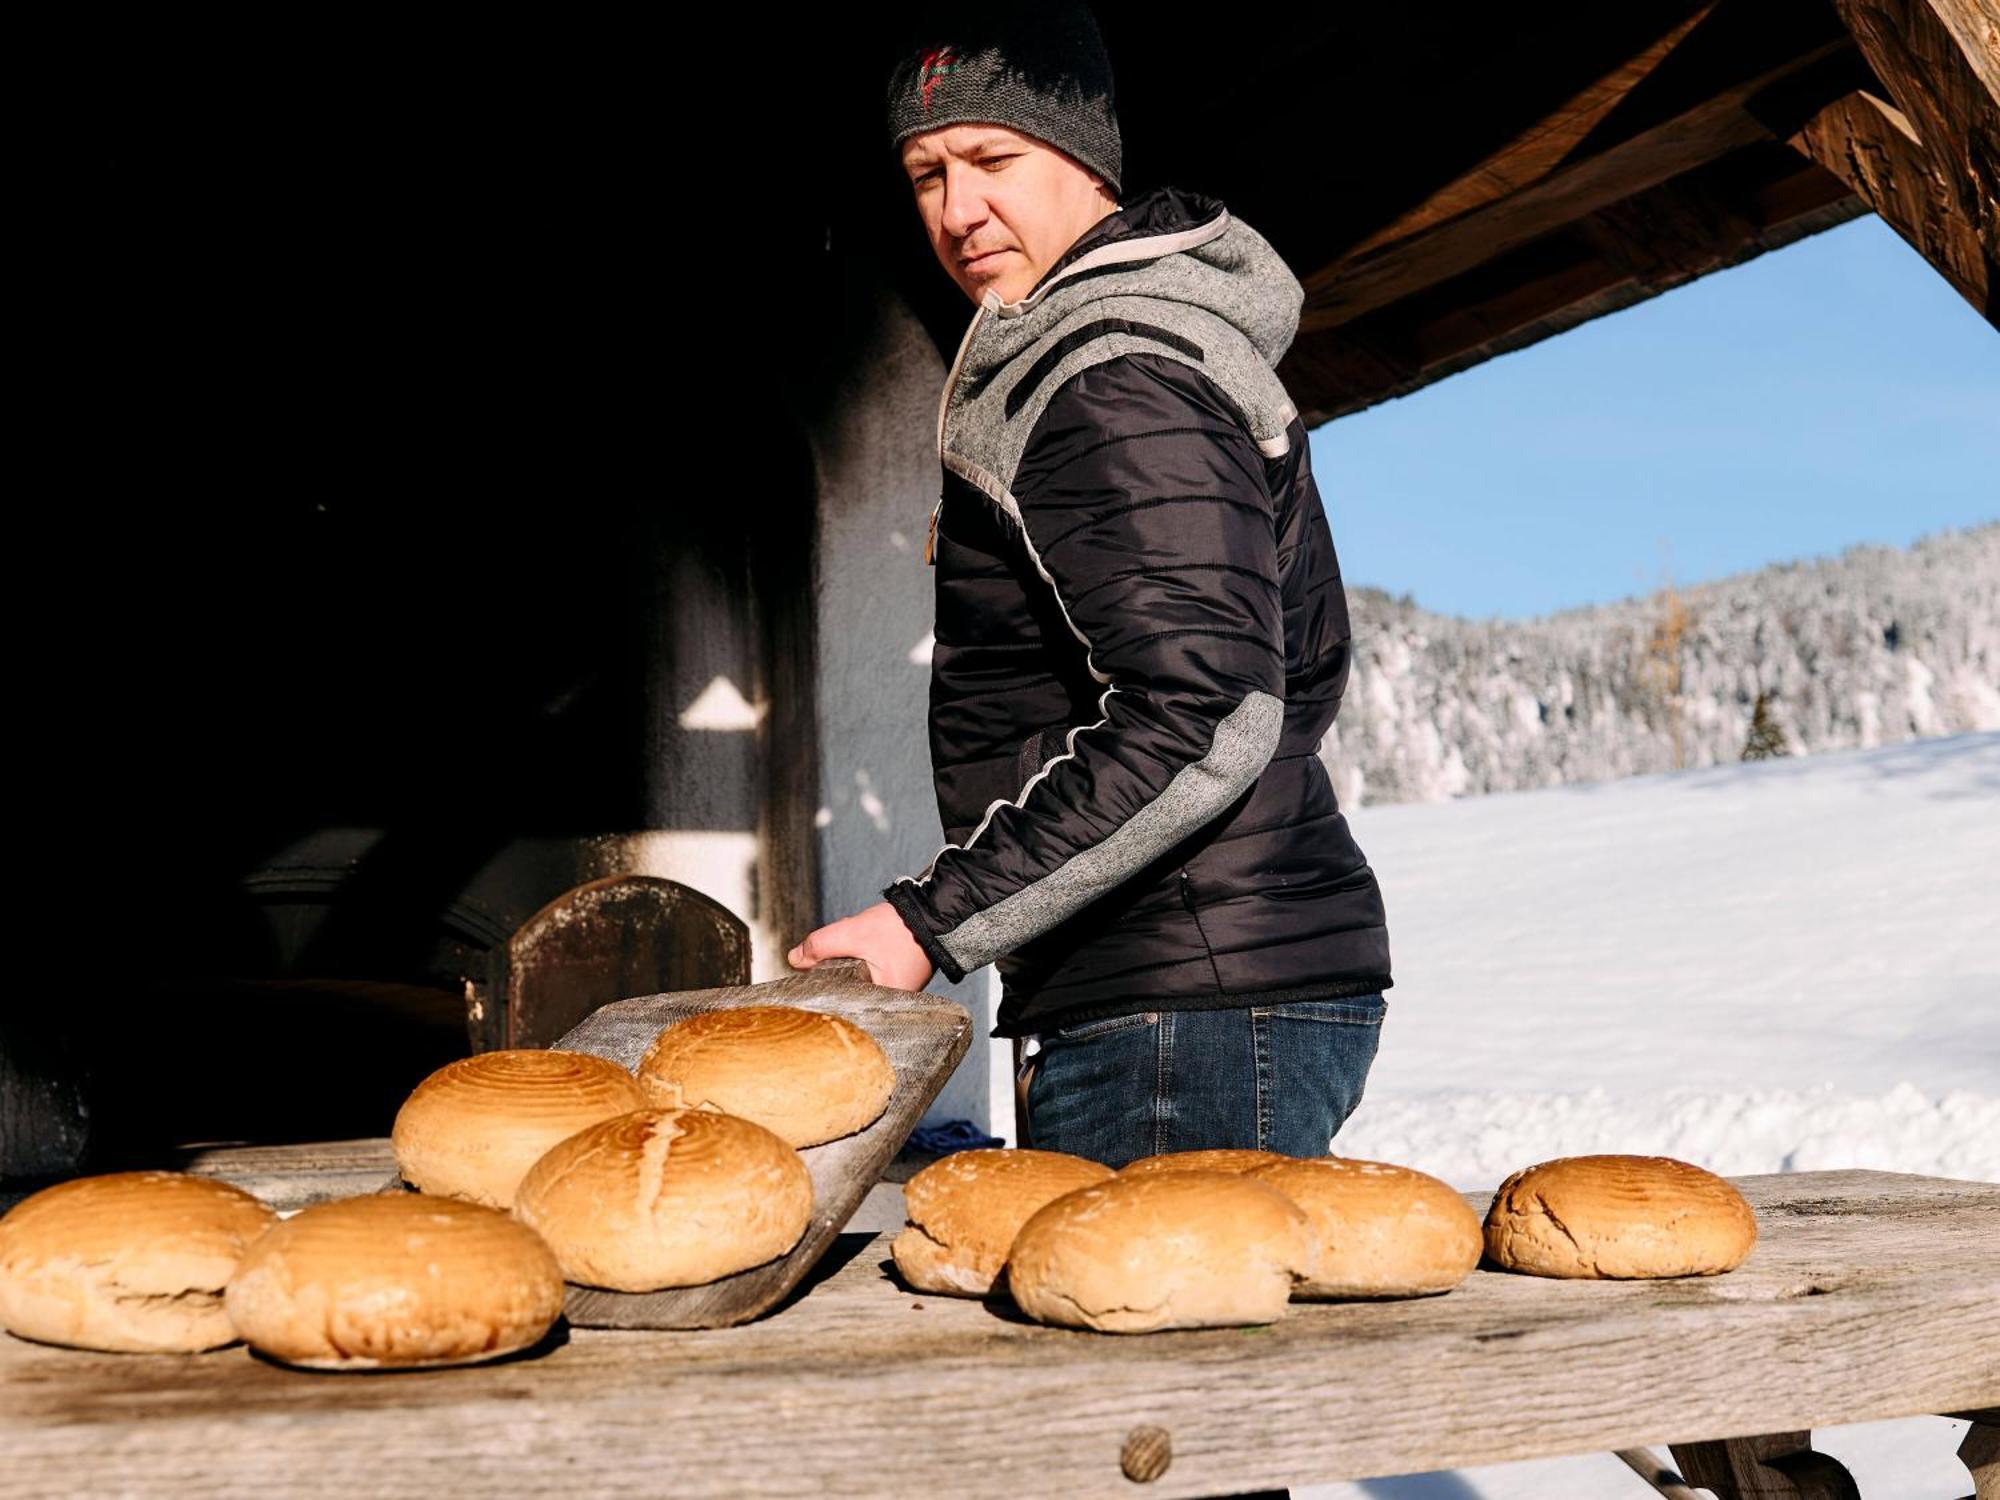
1774, 966
1877, 646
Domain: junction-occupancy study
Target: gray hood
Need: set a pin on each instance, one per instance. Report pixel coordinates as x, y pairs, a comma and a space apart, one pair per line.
1170, 273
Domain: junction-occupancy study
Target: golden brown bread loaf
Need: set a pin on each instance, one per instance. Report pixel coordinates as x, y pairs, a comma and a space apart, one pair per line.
661, 1198
1618, 1216
1161, 1250
395, 1281
965, 1210
133, 1262
1215, 1159
473, 1128
806, 1075
1378, 1230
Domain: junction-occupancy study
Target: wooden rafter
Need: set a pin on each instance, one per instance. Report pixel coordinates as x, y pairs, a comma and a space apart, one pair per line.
1706, 220
1712, 124
1538, 150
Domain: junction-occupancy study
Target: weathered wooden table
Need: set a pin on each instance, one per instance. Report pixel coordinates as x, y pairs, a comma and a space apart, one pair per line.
1869, 1295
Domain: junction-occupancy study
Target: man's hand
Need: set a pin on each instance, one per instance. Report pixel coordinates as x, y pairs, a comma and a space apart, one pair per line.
878, 937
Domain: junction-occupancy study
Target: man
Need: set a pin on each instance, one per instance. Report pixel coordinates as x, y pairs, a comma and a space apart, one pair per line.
1141, 637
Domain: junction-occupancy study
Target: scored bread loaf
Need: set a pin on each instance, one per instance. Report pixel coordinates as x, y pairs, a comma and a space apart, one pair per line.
965, 1209
473, 1128
667, 1197
395, 1281
1618, 1216
806, 1075
1379, 1230
132, 1262
1161, 1250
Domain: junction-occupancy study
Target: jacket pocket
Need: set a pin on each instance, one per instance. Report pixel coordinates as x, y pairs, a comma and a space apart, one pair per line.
1354, 880
1038, 749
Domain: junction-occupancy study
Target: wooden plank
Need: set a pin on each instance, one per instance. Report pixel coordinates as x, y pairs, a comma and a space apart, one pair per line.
1869, 1295
290, 1177
924, 1036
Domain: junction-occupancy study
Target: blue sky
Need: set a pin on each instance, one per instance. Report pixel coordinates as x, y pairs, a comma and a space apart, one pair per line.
1833, 392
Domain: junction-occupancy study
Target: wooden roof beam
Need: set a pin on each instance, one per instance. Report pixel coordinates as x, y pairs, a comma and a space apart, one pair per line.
1712, 125
1870, 146
1719, 216
1930, 163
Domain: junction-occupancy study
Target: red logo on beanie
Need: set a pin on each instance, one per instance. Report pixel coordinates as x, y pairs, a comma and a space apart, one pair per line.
937, 63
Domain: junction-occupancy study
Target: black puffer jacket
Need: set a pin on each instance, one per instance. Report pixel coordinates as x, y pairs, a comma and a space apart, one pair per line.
1141, 639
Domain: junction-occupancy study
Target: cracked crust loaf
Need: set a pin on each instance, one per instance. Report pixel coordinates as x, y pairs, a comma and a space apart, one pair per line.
132, 1262
1182, 1249
395, 1281
1618, 1216
806, 1075
1215, 1159
473, 1128
667, 1197
965, 1210
1379, 1230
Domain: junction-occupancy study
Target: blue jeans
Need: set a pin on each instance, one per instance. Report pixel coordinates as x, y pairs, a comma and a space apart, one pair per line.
1277, 1077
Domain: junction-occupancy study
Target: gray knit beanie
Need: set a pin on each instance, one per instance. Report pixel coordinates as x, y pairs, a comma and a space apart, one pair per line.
1037, 67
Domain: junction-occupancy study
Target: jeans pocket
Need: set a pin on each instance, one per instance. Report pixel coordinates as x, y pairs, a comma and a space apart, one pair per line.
1083, 1031
1348, 1010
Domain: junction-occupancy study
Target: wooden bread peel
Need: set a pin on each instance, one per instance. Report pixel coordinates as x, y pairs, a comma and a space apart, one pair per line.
924, 1036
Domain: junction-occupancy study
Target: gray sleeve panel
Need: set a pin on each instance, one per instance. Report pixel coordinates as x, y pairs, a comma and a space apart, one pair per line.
1244, 743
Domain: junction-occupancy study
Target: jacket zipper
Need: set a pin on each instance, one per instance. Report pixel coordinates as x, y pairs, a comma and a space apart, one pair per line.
1187, 897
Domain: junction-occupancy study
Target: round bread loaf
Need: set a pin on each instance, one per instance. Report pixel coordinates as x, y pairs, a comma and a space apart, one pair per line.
1161, 1250
661, 1198
1618, 1216
806, 1075
1379, 1230
1217, 1159
473, 1128
395, 1281
965, 1210
133, 1262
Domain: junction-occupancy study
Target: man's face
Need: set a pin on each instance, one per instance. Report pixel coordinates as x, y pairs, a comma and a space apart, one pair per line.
1000, 207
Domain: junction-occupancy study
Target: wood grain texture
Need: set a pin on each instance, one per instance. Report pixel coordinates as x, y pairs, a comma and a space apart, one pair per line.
1940, 61
290, 1177
1869, 1295
1870, 145
924, 1036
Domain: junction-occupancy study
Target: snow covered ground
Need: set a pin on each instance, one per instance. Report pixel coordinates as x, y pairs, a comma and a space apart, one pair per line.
1777, 966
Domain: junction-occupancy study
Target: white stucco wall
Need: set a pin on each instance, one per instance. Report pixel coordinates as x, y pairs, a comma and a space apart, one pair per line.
875, 458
